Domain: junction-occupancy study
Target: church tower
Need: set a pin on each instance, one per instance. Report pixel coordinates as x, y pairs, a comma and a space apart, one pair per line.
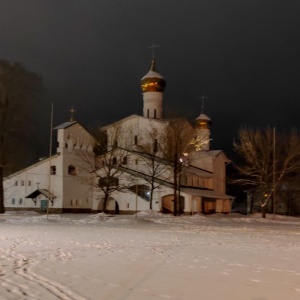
203, 125
153, 85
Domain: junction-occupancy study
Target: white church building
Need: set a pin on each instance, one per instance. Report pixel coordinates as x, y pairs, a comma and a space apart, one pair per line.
76, 177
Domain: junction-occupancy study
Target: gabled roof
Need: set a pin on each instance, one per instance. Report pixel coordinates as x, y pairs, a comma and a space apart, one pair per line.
65, 125
132, 117
41, 192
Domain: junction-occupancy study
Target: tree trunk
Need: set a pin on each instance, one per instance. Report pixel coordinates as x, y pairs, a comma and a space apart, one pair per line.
105, 200
2, 209
263, 211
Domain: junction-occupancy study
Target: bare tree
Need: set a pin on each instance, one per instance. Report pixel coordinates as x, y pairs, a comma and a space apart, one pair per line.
267, 160
18, 88
111, 161
177, 142
156, 168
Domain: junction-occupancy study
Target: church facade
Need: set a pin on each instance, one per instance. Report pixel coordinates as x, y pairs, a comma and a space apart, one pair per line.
130, 173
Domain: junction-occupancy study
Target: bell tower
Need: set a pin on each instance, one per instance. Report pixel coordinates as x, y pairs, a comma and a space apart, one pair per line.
153, 85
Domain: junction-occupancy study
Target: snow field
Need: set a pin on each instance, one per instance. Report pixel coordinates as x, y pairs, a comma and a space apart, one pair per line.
152, 257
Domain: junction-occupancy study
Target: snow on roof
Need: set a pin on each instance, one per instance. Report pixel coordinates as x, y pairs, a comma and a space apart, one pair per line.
38, 192
206, 193
65, 125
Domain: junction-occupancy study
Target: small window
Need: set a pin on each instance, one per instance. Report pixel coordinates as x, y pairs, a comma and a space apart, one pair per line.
29, 182
135, 139
71, 170
22, 183
127, 205
154, 113
20, 201
115, 144
71, 202
148, 113
16, 183
66, 145
155, 146
114, 161
112, 181
124, 162
53, 170
13, 201
102, 182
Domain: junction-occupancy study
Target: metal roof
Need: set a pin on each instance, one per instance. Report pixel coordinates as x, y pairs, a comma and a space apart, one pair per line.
39, 192
65, 125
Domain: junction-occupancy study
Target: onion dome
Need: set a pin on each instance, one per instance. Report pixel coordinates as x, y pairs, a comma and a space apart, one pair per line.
153, 81
203, 122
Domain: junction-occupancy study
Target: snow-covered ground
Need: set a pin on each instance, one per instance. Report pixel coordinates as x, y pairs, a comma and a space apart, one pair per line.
152, 257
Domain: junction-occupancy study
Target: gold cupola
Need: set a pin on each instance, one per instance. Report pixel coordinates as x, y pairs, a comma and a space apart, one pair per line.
153, 81
203, 122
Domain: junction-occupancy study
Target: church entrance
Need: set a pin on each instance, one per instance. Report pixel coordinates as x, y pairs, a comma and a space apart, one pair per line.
117, 210
44, 205
168, 204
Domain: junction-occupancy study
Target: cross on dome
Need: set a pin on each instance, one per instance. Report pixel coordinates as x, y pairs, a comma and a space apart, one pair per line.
153, 46
203, 99
72, 111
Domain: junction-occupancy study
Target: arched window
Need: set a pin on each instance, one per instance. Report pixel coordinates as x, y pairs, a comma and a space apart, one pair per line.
124, 162
53, 170
71, 170
20, 201
114, 161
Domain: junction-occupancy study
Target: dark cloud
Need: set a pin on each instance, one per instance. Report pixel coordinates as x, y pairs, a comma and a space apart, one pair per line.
244, 55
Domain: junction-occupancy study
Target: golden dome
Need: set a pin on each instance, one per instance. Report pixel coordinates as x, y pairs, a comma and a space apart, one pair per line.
153, 81
203, 122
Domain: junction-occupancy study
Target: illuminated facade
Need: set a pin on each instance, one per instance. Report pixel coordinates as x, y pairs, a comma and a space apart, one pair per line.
75, 174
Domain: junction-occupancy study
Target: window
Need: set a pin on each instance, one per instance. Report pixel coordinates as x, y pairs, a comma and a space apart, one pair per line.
16, 183
124, 162
20, 201
66, 145
52, 170
71, 202
115, 144
148, 113
13, 201
22, 183
135, 139
114, 161
112, 181
29, 182
71, 170
154, 113
155, 146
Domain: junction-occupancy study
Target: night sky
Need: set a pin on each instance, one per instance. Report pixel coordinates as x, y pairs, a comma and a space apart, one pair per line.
243, 55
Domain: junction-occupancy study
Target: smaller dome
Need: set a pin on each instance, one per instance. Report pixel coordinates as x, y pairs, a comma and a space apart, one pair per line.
153, 81
203, 122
